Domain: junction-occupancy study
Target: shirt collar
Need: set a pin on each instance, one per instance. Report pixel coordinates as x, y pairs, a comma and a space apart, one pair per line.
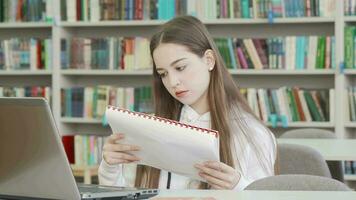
190, 115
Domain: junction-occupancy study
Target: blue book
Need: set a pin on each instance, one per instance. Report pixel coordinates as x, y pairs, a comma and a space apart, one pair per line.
170, 9
68, 99
161, 9
301, 52
245, 8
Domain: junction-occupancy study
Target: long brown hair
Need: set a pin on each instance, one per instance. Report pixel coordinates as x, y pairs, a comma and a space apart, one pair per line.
224, 98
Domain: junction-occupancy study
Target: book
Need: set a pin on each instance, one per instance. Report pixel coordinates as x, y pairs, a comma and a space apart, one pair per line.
165, 144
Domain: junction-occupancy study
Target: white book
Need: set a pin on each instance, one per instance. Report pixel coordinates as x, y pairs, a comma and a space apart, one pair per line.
252, 101
284, 102
33, 54
262, 103
88, 102
71, 11
179, 146
7, 54
144, 60
49, 9
87, 53
305, 109
48, 93
78, 150
313, 41
288, 52
213, 11
293, 43
322, 9
253, 53
94, 10
120, 97
191, 7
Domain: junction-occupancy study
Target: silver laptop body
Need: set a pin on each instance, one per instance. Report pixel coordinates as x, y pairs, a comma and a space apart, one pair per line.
33, 162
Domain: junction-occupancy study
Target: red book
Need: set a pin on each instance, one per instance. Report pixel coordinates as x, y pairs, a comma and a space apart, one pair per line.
68, 144
299, 104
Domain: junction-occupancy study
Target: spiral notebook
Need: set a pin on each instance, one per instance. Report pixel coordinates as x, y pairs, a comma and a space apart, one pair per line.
165, 144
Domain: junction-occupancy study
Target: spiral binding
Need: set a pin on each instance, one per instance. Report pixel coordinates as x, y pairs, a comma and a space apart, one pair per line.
169, 121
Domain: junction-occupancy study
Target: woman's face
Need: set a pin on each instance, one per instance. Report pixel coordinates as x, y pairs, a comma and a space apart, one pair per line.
185, 75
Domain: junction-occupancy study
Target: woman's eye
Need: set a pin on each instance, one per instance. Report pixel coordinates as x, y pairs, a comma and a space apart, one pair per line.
181, 68
162, 75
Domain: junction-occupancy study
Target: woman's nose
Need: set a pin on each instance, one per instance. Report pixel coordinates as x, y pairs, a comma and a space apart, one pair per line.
174, 81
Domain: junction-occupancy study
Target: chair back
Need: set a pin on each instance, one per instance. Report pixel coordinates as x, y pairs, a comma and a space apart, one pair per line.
298, 182
335, 167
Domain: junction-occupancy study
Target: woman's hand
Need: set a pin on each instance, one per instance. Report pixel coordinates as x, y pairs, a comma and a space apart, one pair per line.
218, 175
115, 152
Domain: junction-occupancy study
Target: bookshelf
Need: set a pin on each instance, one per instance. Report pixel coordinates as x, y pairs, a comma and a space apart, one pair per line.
58, 78
86, 172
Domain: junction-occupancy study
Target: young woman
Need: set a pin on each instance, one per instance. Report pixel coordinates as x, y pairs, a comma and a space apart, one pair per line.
192, 85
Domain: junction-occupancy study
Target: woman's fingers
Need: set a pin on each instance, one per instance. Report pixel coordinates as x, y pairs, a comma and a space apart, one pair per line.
114, 137
214, 181
122, 156
121, 147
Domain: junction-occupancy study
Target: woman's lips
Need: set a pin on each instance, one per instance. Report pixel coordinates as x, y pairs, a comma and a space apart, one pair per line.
181, 93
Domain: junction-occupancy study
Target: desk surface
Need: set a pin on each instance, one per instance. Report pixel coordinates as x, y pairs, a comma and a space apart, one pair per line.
253, 195
331, 149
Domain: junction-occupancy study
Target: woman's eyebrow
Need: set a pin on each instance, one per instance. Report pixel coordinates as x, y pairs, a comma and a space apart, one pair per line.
173, 63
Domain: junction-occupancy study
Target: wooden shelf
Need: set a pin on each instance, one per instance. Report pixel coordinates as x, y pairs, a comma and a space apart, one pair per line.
350, 71
350, 124
25, 25
78, 120
306, 124
281, 72
24, 72
93, 72
350, 18
279, 125
350, 177
299, 20
233, 72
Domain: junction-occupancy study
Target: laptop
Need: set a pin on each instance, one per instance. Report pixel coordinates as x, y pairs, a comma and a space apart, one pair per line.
33, 163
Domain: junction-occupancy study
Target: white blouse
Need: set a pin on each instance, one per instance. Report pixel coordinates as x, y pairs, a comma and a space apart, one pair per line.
124, 174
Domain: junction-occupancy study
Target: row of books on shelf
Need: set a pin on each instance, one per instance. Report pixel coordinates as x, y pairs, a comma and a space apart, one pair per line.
349, 7
350, 167
25, 54
293, 103
95, 10
25, 10
91, 102
292, 52
122, 53
83, 150
28, 91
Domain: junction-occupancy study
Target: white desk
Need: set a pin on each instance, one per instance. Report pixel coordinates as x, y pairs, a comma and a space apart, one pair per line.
256, 195
331, 149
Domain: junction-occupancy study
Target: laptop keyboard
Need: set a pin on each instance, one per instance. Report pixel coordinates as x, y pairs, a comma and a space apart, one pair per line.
97, 189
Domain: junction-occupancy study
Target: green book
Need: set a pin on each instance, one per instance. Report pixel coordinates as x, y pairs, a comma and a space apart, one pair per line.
293, 105
312, 107
349, 48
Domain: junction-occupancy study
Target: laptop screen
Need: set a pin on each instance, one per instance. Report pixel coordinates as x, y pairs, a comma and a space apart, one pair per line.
32, 159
